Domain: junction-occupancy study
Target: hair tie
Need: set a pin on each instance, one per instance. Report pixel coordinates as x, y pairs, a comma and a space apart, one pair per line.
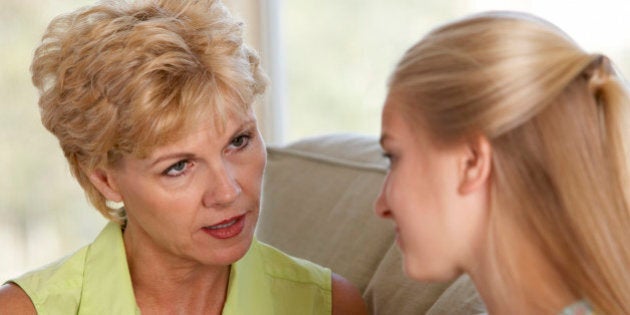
597, 73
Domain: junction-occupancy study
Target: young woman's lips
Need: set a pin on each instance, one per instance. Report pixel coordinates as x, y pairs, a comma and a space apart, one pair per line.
226, 229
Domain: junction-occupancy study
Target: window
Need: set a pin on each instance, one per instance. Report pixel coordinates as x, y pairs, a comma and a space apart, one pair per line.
340, 53
44, 214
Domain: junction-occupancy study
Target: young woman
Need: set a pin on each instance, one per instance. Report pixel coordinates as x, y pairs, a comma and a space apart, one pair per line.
509, 161
151, 104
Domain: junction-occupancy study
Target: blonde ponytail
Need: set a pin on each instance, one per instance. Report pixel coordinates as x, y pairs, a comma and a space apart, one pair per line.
557, 118
611, 94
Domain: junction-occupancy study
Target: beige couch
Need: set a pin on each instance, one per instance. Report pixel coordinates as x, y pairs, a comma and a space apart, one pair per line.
317, 204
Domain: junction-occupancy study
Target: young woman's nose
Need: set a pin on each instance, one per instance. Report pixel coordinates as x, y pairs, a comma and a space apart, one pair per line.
223, 188
381, 207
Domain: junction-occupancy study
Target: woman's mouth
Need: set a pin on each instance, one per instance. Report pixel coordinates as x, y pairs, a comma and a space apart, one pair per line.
224, 225
226, 229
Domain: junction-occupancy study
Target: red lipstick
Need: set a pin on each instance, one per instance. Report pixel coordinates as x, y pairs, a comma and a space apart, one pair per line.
227, 228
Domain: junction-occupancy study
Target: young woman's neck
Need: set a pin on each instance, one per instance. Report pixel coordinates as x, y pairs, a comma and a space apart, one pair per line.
538, 289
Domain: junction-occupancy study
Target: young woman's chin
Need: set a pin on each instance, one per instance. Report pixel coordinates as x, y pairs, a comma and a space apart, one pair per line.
430, 271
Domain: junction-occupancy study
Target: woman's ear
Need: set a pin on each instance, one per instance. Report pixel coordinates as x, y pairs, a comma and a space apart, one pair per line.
475, 165
103, 180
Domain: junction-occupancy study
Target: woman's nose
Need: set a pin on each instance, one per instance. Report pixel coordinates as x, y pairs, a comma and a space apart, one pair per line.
223, 188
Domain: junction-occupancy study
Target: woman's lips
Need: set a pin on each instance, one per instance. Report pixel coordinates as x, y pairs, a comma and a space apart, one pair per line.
226, 229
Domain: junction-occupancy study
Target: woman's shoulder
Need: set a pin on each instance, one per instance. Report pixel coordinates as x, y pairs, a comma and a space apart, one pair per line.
60, 278
60, 283
344, 296
60, 270
273, 282
282, 265
14, 300
94, 279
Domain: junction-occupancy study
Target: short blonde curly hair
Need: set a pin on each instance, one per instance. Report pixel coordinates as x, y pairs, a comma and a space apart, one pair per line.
122, 78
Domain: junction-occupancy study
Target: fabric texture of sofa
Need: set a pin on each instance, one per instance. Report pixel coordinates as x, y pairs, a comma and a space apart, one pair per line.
317, 204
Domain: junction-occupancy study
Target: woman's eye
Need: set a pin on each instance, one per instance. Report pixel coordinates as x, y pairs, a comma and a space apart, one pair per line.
240, 141
177, 169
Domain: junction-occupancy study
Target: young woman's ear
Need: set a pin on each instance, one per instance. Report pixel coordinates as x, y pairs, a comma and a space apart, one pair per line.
475, 165
103, 180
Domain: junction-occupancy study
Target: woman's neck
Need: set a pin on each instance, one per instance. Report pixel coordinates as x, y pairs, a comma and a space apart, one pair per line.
537, 290
166, 284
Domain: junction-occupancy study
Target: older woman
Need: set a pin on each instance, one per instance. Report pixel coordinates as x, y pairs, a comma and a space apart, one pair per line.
151, 103
509, 161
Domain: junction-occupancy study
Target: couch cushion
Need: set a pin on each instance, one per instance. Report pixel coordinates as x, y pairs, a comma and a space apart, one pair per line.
317, 204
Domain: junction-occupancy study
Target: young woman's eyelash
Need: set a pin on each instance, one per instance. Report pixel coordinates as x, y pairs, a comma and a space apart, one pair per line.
390, 159
388, 156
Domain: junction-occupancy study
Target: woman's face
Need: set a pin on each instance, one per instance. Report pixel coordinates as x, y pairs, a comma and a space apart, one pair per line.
435, 223
196, 199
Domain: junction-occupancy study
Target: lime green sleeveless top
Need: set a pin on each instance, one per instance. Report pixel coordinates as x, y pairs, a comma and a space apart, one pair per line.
95, 280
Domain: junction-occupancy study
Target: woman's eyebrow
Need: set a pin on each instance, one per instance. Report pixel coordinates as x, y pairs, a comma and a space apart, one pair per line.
175, 155
247, 124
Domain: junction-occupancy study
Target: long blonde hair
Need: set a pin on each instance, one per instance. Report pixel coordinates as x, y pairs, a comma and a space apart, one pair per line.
557, 119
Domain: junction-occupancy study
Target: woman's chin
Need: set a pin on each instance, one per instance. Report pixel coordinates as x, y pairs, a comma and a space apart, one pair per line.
225, 247
228, 255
